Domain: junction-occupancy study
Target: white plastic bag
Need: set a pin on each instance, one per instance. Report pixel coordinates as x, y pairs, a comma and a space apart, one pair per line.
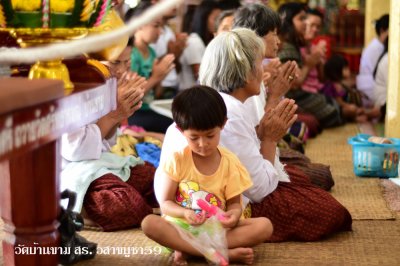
208, 238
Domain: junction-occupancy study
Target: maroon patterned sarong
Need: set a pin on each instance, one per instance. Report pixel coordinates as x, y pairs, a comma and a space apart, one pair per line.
312, 123
301, 211
319, 174
116, 205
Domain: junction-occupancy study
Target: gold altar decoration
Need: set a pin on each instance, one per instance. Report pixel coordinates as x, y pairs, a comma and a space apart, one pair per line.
111, 21
41, 22
53, 69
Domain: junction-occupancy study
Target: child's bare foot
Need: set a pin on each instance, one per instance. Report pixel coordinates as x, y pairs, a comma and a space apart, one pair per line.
179, 258
243, 255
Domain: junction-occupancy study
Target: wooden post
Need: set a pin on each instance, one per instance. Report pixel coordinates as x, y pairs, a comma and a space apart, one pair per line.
374, 9
30, 209
392, 125
30, 129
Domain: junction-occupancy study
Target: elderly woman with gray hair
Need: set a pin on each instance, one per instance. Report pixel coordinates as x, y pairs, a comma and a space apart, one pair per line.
298, 210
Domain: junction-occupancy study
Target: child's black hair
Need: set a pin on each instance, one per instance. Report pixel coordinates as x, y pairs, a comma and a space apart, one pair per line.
333, 68
287, 12
199, 108
258, 18
199, 23
382, 24
315, 12
229, 4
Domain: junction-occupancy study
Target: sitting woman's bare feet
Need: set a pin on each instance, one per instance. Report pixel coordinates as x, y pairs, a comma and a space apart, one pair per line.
89, 223
179, 258
242, 255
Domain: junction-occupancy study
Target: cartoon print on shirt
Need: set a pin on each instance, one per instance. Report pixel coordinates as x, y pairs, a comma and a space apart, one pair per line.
189, 192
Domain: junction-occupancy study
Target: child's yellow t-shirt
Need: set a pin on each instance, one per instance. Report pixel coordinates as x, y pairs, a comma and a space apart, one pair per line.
229, 180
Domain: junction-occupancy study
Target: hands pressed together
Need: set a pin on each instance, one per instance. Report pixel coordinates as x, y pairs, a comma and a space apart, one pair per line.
279, 114
129, 95
319, 50
278, 77
163, 66
176, 47
276, 121
317, 55
129, 99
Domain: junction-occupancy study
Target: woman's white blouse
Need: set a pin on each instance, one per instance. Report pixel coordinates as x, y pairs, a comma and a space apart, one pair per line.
381, 82
85, 144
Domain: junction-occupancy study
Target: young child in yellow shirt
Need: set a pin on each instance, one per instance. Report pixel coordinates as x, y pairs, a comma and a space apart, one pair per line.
204, 170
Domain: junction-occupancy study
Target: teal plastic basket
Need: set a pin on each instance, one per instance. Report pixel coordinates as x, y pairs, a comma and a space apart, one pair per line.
373, 159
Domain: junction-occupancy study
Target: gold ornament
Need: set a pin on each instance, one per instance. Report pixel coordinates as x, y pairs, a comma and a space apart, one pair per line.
26, 5
52, 69
111, 21
61, 6
40, 22
88, 9
3, 23
101, 67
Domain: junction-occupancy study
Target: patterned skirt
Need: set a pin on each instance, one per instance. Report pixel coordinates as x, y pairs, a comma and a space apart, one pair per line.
115, 205
319, 174
300, 211
326, 110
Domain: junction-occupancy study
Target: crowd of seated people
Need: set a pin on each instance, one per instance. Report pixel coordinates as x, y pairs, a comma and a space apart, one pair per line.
275, 82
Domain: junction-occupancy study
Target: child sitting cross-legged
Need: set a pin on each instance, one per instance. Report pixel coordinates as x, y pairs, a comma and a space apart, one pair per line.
340, 86
205, 170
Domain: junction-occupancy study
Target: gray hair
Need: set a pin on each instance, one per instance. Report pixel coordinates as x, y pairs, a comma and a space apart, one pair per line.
229, 59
